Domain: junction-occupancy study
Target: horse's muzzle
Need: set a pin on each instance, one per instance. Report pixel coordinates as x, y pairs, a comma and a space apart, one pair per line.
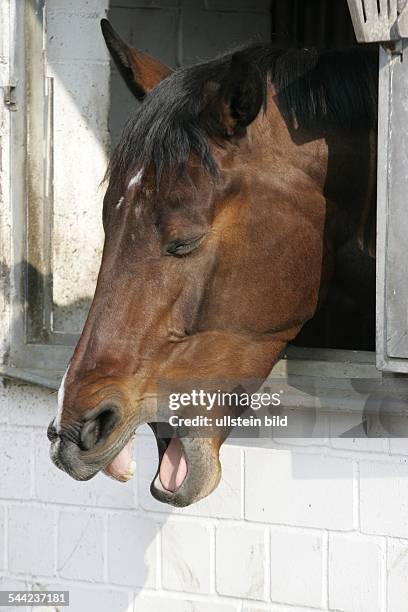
90, 445
80, 449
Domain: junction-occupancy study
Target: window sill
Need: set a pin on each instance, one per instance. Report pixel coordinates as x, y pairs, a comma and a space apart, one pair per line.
44, 378
325, 379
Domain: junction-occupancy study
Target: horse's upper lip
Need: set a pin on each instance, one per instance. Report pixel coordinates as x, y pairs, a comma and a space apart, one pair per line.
81, 464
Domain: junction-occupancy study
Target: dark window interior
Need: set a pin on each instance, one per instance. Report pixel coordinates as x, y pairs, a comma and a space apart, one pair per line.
181, 32
302, 23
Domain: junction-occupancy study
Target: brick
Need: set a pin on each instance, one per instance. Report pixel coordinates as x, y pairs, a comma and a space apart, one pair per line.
397, 576
151, 603
384, 498
4, 414
263, 6
365, 445
203, 606
399, 446
2, 539
306, 425
100, 600
143, 28
341, 423
299, 489
53, 485
186, 556
17, 400
86, 45
209, 33
241, 561
354, 574
80, 108
155, 4
132, 550
302, 441
122, 103
278, 608
86, 7
16, 462
31, 539
80, 546
296, 568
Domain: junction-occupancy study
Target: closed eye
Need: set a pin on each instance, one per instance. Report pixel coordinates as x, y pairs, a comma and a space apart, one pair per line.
180, 248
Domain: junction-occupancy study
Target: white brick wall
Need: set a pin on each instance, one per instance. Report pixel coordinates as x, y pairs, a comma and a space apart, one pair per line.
241, 555
80, 546
182, 568
133, 550
297, 566
355, 568
315, 490
397, 572
299, 529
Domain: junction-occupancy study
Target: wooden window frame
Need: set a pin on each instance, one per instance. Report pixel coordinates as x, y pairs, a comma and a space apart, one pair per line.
37, 353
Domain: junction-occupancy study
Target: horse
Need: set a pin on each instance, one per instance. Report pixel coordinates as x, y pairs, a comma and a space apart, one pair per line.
240, 195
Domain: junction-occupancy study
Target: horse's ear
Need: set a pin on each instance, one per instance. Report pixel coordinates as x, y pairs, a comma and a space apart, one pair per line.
140, 71
241, 94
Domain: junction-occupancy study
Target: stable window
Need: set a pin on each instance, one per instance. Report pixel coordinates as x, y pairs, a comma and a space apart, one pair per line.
68, 107
58, 100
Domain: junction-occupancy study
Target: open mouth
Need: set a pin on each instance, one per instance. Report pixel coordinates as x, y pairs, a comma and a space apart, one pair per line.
188, 467
173, 467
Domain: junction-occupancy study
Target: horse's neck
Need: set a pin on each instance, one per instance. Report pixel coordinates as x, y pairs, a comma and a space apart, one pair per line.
340, 162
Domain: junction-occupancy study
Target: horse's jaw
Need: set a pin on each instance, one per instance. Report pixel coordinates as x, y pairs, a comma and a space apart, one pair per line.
188, 468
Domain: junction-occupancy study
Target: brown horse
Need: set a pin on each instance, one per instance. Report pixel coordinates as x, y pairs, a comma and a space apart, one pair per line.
241, 192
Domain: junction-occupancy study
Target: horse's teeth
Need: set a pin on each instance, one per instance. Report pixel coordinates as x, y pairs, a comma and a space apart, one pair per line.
130, 472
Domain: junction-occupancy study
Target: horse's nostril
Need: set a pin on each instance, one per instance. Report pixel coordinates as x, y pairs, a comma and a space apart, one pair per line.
89, 435
97, 426
51, 431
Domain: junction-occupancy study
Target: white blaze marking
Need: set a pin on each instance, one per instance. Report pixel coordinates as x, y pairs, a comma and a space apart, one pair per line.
135, 180
61, 393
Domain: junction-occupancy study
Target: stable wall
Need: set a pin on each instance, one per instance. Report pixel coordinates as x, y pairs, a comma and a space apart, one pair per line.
318, 524
305, 524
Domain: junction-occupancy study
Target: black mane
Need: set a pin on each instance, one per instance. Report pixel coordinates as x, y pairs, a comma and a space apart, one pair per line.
324, 87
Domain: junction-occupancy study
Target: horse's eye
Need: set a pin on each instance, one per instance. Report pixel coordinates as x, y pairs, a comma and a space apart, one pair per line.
183, 247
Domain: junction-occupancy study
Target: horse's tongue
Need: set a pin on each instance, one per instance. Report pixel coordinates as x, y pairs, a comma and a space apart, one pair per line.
173, 466
122, 467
